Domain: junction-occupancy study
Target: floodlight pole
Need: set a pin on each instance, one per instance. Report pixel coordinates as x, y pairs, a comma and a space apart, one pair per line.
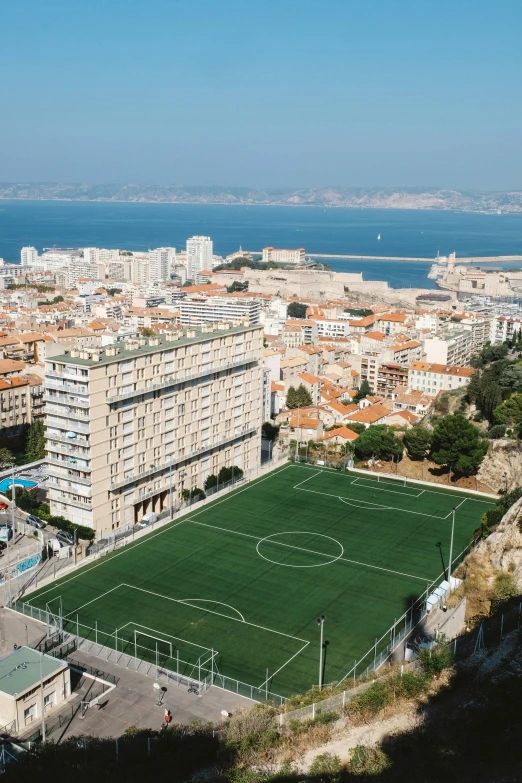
320, 623
451, 545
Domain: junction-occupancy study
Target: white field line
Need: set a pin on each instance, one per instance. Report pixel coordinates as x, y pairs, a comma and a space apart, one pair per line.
372, 506
317, 473
271, 676
165, 529
348, 475
226, 616
371, 484
137, 626
75, 611
312, 551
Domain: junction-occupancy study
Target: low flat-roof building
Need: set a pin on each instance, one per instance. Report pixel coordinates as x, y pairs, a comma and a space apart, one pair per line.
31, 683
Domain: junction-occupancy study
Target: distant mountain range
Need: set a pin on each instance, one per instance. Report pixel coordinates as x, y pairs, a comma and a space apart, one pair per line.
368, 198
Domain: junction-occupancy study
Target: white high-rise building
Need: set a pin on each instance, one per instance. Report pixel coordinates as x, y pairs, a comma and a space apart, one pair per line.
199, 255
29, 256
161, 260
99, 255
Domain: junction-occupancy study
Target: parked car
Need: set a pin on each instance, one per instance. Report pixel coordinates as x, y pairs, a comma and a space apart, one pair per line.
35, 521
65, 538
6, 533
148, 519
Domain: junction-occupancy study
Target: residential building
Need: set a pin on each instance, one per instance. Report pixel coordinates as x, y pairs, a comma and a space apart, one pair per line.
283, 256
312, 385
390, 375
15, 406
418, 402
433, 378
132, 424
218, 308
332, 327
199, 255
370, 415
297, 331
450, 348
29, 256
503, 328
161, 260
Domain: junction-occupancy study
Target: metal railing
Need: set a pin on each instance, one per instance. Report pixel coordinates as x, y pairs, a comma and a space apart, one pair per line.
175, 380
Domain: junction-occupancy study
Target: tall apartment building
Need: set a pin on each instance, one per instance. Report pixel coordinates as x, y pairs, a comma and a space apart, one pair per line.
503, 328
216, 308
161, 260
99, 255
129, 424
283, 256
454, 348
28, 256
199, 255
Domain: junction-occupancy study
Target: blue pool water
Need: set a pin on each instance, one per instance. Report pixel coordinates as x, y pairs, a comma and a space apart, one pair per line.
5, 484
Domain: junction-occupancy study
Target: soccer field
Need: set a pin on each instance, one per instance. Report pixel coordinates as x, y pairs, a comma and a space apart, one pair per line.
246, 576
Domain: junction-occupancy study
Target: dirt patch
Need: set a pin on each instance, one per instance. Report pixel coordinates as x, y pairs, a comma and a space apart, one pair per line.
426, 470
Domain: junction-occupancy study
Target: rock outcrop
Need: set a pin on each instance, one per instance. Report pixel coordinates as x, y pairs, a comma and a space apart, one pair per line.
502, 463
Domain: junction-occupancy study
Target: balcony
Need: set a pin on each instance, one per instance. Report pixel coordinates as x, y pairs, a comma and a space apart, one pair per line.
79, 388
62, 438
77, 453
66, 399
67, 424
57, 498
179, 379
66, 485
67, 411
179, 458
65, 466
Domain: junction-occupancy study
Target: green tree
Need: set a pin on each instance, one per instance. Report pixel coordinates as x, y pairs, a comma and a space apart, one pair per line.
418, 442
297, 310
113, 291
490, 396
511, 378
360, 312
473, 387
378, 441
298, 398
270, 431
456, 442
510, 411
146, 332
6, 457
35, 442
237, 286
210, 482
363, 391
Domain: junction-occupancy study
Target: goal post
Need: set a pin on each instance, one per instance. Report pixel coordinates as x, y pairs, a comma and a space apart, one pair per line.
146, 643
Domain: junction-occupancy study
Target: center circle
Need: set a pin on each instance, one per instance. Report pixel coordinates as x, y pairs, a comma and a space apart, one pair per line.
318, 548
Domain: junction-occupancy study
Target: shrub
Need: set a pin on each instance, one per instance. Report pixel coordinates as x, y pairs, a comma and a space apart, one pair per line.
210, 482
371, 701
367, 760
497, 431
504, 588
326, 767
437, 659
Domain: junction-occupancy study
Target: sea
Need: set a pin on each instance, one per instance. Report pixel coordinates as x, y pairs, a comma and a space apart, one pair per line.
140, 226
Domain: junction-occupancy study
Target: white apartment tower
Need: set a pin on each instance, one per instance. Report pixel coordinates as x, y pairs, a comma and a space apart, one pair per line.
29, 256
130, 426
161, 260
199, 255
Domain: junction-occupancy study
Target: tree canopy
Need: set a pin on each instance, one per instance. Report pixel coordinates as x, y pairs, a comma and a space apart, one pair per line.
510, 411
297, 310
378, 441
237, 286
457, 443
363, 391
35, 442
418, 442
298, 398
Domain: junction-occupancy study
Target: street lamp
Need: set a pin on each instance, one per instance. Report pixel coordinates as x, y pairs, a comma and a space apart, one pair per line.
320, 623
171, 487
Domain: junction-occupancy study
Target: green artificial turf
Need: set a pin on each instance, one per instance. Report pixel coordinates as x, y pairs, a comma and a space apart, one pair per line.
247, 576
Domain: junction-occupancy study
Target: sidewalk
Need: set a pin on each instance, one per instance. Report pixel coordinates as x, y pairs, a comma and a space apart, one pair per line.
133, 703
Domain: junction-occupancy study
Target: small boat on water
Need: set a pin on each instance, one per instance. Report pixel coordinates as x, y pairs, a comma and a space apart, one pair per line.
378, 236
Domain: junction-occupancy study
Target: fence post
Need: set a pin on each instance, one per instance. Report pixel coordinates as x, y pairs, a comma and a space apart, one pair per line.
344, 698
313, 710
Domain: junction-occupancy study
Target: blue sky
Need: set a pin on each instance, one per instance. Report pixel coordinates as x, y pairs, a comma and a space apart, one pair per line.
262, 93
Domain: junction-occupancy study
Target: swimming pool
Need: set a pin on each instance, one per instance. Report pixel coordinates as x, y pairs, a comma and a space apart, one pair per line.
5, 484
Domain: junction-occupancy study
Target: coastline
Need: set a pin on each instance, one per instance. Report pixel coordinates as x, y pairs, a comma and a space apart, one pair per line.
394, 208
